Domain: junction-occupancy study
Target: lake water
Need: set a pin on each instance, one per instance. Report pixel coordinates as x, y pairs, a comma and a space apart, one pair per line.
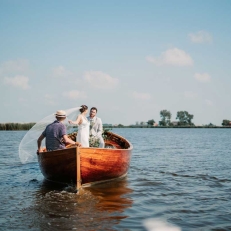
177, 177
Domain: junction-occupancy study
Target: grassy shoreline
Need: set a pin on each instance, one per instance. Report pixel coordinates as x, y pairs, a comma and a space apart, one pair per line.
28, 126
16, 126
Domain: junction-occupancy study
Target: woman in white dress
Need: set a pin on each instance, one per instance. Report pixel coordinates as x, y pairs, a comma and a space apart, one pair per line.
83, 126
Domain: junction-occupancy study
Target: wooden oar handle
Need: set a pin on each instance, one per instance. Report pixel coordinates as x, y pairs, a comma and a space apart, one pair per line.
70, 145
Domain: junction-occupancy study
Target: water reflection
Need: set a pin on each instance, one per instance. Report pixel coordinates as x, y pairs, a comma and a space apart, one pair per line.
96, 208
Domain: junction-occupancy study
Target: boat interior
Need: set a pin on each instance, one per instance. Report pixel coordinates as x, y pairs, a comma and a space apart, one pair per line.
111, 140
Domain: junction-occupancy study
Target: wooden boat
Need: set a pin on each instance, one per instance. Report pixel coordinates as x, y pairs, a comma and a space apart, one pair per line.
87, 166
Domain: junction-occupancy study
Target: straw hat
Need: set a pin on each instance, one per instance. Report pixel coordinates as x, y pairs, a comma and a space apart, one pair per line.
60, 113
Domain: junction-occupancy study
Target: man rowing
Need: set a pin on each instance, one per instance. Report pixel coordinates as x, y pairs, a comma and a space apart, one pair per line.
56, 134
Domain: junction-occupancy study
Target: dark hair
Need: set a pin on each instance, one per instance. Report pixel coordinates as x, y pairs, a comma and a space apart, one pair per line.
94, 108
83, 108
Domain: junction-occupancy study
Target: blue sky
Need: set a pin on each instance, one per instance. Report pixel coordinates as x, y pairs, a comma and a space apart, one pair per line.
130, 59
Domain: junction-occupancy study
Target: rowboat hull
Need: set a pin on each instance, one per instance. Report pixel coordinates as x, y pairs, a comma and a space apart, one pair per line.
95, 165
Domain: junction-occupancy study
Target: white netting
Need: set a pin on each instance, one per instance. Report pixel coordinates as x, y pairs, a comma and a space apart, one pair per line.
28, 145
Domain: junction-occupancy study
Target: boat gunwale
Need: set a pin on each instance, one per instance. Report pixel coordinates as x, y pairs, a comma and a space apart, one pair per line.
111, 149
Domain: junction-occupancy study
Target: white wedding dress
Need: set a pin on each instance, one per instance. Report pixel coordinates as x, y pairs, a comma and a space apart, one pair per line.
83, 132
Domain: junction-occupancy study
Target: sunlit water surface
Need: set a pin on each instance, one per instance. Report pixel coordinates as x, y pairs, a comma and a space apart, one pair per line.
180, 176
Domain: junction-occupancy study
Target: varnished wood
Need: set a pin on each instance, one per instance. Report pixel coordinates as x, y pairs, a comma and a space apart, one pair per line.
88, 165
78, 183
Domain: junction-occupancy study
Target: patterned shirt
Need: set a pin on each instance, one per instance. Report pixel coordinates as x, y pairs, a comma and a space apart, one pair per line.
54, 133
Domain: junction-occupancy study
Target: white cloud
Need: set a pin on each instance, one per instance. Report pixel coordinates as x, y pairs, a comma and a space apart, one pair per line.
60, 71
190, 94
143, 96
74, 94
19, 81
201, 37
99, 79
209, 102
205, 77
174, 57
15, 67
50, 99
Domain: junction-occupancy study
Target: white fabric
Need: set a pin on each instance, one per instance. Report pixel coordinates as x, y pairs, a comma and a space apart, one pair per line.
83, 132
28, 145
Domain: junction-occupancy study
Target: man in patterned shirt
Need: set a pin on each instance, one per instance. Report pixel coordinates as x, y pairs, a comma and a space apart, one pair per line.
56, 134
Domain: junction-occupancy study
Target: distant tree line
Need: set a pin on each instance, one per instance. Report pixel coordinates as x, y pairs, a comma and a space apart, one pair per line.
183, 117
226, 123
16, 126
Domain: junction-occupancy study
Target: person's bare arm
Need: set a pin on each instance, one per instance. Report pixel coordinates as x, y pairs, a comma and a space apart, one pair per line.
39, 142
70, 141
77, 122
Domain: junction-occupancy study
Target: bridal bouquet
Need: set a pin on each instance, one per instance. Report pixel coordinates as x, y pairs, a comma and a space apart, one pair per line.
94, 141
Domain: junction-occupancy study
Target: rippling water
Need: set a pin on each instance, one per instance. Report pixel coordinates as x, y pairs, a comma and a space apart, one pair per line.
180, 176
